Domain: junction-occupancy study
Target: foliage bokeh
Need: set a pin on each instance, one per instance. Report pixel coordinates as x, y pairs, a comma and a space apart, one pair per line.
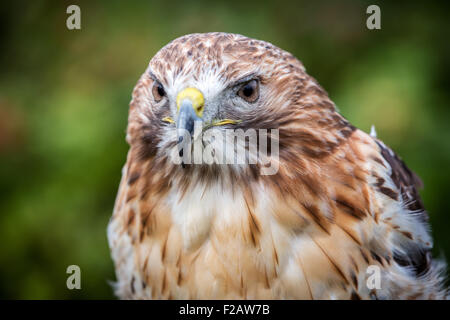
64, 100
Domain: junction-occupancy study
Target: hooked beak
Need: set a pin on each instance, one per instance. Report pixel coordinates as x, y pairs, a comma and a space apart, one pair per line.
190, 105
186, 118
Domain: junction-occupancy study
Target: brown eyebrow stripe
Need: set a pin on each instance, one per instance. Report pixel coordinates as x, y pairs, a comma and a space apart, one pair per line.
154, 78
244, 79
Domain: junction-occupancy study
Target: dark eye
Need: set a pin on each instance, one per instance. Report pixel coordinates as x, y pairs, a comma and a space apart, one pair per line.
158, 91
249, 91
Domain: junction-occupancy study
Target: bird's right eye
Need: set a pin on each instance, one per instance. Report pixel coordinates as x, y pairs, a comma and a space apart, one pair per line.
158, 91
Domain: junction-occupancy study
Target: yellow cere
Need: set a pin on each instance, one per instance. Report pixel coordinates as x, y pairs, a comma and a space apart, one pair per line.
196, 98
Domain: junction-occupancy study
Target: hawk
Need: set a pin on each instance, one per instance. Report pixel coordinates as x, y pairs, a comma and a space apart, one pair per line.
340, 206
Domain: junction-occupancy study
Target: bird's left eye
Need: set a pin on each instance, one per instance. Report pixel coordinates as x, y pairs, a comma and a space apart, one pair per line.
249, 91
158, 91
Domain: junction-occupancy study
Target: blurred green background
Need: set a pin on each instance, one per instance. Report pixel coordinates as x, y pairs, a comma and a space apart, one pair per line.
64, 100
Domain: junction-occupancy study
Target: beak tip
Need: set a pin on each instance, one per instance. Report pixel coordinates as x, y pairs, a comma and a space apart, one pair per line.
186, 119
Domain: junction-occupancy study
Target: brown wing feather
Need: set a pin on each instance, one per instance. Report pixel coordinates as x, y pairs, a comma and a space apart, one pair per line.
408, 183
